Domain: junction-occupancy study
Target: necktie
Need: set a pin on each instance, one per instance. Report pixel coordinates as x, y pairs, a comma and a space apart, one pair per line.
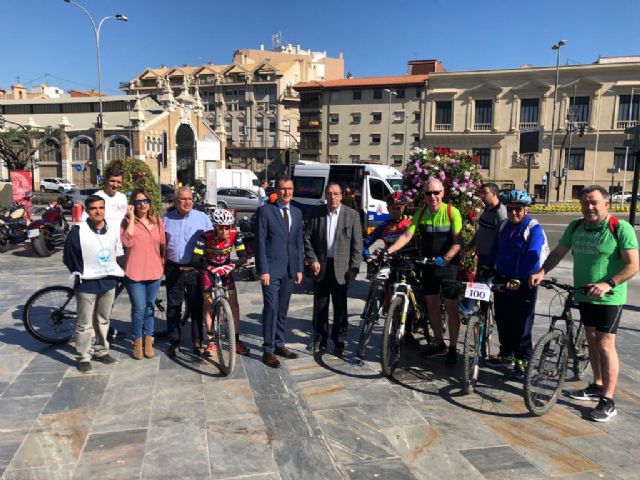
285, 213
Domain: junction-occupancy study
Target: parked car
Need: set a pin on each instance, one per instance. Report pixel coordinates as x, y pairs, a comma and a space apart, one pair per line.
167, 192
54, 184
238, 198
620, 196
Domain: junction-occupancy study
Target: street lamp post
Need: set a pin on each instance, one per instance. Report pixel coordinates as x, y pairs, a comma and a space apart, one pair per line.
556, 47
96, 31
390, 92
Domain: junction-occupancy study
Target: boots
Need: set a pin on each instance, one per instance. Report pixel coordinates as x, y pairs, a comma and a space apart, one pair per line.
137, 349
148, 346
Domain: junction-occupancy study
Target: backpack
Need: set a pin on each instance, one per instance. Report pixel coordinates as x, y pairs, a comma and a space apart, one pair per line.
544, 251
614, 226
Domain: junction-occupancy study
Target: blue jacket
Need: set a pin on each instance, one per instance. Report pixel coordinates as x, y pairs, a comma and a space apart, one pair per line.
278, 252
517, 251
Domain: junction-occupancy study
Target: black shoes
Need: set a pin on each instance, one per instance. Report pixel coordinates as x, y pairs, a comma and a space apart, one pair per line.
605, 410
590, 394
84, 367
172, 351
106, 359
338, 351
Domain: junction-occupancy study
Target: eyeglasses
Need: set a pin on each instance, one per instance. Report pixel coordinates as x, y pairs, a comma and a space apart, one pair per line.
185, 199
515, 209
434, 193
144, 201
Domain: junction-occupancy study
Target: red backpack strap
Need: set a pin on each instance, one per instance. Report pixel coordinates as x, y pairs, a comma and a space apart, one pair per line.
614, 225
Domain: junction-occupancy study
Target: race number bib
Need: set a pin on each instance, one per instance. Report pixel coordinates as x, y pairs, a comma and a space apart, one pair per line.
478, 291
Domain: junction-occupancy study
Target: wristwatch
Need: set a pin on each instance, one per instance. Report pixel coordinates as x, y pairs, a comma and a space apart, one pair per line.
611, 282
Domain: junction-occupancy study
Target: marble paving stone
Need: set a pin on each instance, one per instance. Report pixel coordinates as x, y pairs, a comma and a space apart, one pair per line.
594, 475
123, 410
266, 381
389, 468
182, 378
182, 464
232, 391
394, 414
134, 377
424, 452
42, 473
327, 393
247, 437
557, 460
10, 441
56, 441
60, 361
173, 412
112, 455
353, 436
77, 392
618, 457
306, 459
287, 419
501, 462
16, 415
14, 362
34, 384
3, 387
177, 438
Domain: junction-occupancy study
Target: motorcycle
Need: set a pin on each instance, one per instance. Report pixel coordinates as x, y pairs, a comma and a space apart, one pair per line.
13, 226
49, 232
245, 226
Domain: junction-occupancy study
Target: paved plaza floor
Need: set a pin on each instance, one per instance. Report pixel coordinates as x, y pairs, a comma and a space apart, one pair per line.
315, 418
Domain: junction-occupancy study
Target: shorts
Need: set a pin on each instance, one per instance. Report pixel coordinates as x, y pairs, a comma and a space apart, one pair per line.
604, 318
432, 278
208, 282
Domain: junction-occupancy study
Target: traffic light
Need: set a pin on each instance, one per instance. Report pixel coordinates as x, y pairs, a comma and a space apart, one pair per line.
634, 142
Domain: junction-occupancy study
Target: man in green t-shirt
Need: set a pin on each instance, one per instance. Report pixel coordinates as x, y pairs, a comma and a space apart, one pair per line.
605, 257
438, 226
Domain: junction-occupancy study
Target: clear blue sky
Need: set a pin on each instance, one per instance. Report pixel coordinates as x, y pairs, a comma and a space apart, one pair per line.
376, 37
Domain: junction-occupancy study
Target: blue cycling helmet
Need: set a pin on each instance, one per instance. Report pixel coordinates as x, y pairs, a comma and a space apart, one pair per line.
518, 196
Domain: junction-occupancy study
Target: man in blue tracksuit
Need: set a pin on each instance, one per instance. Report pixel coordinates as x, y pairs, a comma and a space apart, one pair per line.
519, 250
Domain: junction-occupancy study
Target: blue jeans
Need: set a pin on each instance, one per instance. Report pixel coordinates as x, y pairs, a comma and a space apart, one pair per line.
143, 296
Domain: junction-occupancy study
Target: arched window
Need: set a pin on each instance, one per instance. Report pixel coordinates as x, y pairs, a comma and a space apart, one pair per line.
83, 151
118, 148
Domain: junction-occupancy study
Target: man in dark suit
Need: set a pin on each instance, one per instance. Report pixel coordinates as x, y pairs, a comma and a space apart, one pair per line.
280, 261
333, 247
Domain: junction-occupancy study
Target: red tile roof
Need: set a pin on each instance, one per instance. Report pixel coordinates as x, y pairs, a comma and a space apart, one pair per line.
363, 82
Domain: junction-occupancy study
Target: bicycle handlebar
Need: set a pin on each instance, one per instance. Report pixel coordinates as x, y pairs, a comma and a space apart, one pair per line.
495, 287
552, 283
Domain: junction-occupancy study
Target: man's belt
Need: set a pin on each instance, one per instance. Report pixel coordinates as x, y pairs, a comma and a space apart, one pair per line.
180, 266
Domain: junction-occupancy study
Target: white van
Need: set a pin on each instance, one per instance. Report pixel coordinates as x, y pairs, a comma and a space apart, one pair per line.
371, 184
237, 178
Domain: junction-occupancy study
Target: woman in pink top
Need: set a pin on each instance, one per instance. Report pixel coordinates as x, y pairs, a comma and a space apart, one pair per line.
144, 242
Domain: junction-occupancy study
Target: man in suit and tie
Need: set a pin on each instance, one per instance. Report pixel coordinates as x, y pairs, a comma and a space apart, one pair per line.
280, 262
333, 247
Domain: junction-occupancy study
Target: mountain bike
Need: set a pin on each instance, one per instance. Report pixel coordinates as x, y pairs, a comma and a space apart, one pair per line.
402, 307
480, 326
50, 314
378, 272
223, 331
547, 368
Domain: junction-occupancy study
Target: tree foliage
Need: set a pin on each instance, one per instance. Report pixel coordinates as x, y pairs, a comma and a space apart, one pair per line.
18, 145
137, 174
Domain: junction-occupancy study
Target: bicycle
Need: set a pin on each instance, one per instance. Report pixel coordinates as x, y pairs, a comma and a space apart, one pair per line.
480, 326
403, 304
547, 368
378, 272
50, 314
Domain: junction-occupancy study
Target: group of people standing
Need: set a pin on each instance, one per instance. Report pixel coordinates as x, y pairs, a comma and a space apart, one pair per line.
132, 241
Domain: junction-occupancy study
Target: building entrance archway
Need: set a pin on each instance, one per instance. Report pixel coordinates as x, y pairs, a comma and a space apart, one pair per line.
185, 155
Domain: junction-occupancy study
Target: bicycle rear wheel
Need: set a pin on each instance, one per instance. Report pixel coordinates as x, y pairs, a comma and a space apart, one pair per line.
546, 371
581, 354
50, 314
391, 341
472, 353
370, 316
225, 332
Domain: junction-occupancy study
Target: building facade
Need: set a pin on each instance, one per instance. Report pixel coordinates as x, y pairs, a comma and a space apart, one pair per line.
249, 103
486, 112
168, 133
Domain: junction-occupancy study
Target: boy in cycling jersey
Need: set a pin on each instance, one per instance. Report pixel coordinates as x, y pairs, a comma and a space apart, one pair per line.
212, 253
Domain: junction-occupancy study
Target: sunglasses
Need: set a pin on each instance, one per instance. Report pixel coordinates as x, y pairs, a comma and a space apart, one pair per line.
434, 193
515, 209
144, 201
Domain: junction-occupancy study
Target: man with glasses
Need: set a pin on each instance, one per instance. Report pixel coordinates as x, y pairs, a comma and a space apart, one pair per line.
333, 248
519, 250
605, 257
438, 226
183, 227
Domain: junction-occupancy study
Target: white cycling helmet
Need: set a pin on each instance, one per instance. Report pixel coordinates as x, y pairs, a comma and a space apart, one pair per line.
221, 216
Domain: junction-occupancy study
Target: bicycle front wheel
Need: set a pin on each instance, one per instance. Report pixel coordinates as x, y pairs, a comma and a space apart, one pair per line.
370, 316
546, 371
472, 353
391, 340
225, 336
50, 314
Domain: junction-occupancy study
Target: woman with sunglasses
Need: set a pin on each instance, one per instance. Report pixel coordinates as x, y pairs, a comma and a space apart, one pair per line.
143, 239
520, 249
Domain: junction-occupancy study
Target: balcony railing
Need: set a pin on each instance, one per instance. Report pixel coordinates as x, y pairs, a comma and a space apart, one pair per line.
440, 127
528, 125
576, 125
482, 127
622, 124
